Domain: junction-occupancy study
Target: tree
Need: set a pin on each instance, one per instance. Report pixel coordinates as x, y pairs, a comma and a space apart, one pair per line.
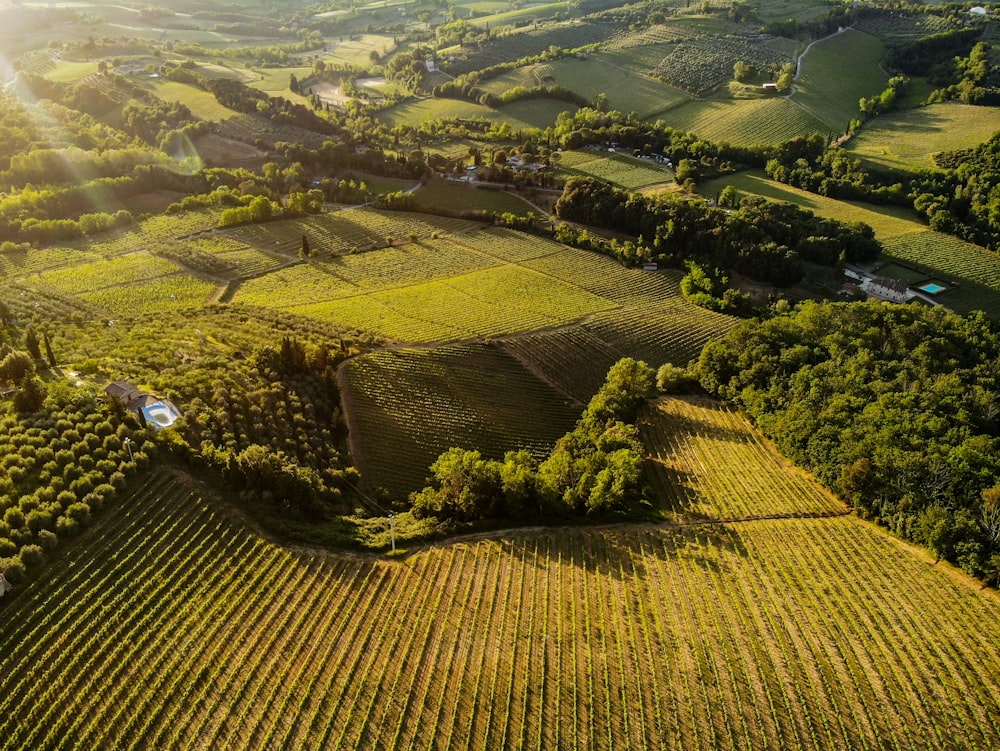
32, 344
729, 196
48, 350
786, 78
742, 71
305, 251
30, 395
16, 366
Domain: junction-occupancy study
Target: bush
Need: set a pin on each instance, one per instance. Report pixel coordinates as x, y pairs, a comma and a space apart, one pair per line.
7, 547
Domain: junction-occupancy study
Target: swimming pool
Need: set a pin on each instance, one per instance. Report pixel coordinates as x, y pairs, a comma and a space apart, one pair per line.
933, 288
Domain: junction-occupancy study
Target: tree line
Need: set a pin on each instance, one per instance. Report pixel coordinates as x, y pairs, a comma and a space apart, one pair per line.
894, 407
764, 240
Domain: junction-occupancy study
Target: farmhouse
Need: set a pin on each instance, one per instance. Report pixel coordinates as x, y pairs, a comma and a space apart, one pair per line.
884, 288
151, 410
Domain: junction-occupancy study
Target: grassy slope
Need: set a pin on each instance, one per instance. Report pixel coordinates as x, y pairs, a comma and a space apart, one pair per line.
887, 221
174, 624
836, 73
910, 139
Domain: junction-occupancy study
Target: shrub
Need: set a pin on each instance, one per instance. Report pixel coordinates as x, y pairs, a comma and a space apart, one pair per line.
66, 498
7, 547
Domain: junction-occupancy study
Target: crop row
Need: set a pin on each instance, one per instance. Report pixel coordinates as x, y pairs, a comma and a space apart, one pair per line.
96, 275
461, 307
343, 232
897, 25
154, 295
409, 406
737, 475
527, 43
655, 34
177, 626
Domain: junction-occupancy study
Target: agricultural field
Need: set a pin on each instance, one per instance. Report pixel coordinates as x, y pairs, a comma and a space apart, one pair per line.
821, 87
459, 197
202, 104
743, 122
626, 91
739, 475
512, 17
344, 232
624, 171
409, 406
275, 80
975, 270
910, 139
887, 221
699, 65
417, 111
172, 625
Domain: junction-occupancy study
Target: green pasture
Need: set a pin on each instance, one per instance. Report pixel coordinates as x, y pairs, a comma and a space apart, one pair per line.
627, 172
910, 139
534, 113
483, 7
627, 91
202, 104
744, 122
355, 51
544, 10
836, 73
274, 80
887, 221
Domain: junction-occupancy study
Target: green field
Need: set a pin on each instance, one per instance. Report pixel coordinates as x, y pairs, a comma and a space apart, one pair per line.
276, 80
627, 91
624, 171
66, 71
910, 139
459, 196
202, 104
417, 111
743, 122
836, 73
533, 10
887, 221
175, 625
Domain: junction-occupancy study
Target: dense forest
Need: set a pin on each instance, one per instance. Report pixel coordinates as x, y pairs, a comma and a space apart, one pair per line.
763, 240
893, 407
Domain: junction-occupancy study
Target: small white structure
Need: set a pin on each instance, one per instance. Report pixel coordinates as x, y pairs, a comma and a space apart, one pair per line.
431, 65
977, 10
5, 586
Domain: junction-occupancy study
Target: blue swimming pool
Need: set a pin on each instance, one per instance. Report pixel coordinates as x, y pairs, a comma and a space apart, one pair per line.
932, 288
